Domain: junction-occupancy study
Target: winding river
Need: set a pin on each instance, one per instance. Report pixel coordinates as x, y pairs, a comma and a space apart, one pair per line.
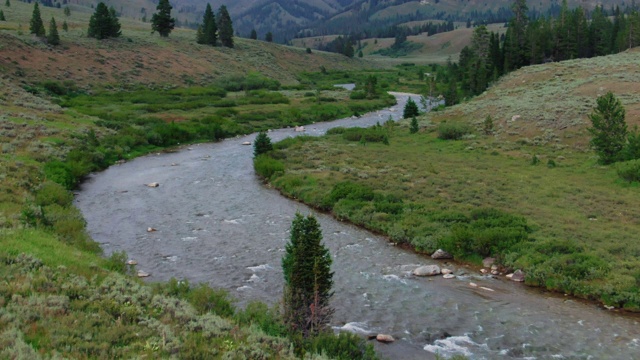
217, 223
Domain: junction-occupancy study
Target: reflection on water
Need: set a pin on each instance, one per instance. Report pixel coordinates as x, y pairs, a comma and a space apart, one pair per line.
216, 223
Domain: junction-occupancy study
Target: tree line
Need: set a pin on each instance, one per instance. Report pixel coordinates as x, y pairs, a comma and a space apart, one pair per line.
572, 34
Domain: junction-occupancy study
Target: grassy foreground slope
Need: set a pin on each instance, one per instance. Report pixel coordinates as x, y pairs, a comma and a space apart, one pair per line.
530, 192
58, 297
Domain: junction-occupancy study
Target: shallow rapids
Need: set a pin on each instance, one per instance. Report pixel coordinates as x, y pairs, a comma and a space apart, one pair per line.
217, 223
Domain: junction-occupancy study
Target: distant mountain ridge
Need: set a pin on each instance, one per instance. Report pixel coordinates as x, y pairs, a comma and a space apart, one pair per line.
287, 19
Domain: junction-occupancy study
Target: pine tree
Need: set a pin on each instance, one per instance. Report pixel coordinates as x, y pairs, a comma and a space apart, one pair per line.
348, 50
161, 21
516, 46
104, 23
225, 27
268, 37
208, 30
410, 109
609, 129
254, 35
65, 27
414, 127
308, 278
67, 11
599, 33
53, 38
36, 26
7, 3
2, 18
262, 144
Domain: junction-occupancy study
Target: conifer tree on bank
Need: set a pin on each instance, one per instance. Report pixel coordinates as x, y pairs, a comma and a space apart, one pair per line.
53, 38
162, 22
308, 278
410, 109
262, 144
225, 27
2, 18
208, 30
268, 37
36, 26
104, 23
253, 35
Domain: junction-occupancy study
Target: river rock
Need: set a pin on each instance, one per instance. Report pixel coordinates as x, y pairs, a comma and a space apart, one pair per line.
385, 338
150, 229
518, 276
153, 184
143, 274
446, 271
487, 262
299, 129
246, 143
427, 270
484, 271
441, 254
448, 276
132, 262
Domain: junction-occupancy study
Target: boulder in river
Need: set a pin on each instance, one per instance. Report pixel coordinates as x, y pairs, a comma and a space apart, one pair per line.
446, 271
441, 254
143, 274
385, 338
246, 143
448, 276
427, 270
518, 276
153, 184
150, 229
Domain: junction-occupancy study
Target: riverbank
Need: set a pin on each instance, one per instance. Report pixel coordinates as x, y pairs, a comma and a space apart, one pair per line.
476, 202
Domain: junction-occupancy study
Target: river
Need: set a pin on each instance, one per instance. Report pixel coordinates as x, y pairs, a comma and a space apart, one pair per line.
217, 223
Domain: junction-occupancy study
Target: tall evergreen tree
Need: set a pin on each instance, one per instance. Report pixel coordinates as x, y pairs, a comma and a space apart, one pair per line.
2, 18
7, 3
268, 37
208, 30
104, 23
161, 21
516, 46
67, 11
308, 278
225, 27
36, 26
609, 129
599, 33
253, 35
53, 38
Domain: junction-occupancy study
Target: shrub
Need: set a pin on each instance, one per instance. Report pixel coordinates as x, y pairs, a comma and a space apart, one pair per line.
53, 193
259, 314
117, 262
351, 191
266, 167
357, 95
207, 300
629, 170
344, 346
453, 130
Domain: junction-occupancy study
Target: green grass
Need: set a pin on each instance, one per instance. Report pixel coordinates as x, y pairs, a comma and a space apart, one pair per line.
424, 192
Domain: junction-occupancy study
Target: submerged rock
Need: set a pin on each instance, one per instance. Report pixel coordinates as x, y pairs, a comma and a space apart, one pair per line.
441, 254
427, 270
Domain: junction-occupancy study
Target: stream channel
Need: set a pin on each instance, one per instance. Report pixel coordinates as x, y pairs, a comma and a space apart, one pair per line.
217, 223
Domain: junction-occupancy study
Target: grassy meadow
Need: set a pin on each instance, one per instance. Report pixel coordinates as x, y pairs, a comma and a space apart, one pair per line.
528, 191
79, 107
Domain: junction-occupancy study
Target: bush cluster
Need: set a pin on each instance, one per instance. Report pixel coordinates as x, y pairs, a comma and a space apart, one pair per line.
453, 130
